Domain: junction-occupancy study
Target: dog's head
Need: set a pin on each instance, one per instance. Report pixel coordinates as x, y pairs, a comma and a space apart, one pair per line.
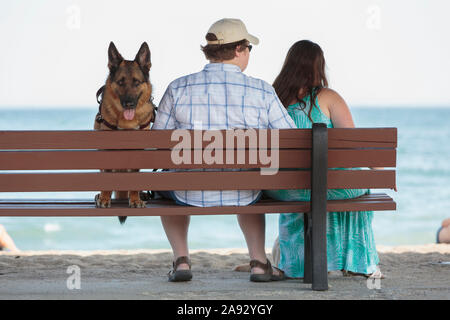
129, 80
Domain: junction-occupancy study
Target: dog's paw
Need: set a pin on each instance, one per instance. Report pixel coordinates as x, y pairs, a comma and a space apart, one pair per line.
101, 202
136, 203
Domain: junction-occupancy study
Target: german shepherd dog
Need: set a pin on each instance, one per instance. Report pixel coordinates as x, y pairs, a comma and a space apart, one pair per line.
126, 103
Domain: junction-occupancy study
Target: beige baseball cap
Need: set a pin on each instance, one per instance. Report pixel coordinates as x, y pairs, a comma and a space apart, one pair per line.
230, 30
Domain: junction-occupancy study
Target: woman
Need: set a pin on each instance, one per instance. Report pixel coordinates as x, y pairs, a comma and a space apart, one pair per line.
302, 87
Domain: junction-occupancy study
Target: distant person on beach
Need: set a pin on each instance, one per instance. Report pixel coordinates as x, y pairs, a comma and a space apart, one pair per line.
6, 243
302, 87
208, 100
443, 233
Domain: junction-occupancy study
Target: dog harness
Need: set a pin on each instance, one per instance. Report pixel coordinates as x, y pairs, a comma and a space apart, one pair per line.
99, 118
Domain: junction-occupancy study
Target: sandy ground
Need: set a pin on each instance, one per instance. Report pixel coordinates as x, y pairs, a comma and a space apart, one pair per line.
412, 272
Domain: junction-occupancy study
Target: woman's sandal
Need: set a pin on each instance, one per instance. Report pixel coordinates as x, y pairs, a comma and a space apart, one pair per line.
376, 275
180, 275
268, 272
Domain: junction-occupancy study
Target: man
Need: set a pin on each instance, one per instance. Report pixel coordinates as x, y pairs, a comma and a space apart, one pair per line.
221, 97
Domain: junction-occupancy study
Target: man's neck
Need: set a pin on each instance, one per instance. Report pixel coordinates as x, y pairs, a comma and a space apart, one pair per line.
233, 62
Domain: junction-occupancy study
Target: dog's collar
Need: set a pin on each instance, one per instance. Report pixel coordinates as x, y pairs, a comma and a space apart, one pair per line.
99, 118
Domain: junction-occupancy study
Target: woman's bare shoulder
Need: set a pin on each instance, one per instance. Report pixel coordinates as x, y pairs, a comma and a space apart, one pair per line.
329, 94
337, 108
327, 99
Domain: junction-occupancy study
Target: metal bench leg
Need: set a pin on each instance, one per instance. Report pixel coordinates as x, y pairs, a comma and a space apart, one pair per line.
307, 277
319, 251
319, 170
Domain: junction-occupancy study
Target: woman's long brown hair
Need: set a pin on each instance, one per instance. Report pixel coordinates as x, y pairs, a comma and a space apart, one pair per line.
303, 68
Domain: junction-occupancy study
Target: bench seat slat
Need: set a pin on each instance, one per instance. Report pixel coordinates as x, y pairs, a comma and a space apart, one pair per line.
166, 207
122, 202
237, 180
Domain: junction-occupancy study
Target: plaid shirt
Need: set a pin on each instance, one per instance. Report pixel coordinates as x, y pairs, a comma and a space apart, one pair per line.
217, 98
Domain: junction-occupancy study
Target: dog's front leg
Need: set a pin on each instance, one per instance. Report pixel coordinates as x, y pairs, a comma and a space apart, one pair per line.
103, 199
134, 200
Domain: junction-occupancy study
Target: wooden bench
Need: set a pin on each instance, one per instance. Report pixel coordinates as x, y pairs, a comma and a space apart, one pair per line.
25, 154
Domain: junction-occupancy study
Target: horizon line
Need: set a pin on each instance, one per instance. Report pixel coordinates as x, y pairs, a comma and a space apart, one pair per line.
368, 106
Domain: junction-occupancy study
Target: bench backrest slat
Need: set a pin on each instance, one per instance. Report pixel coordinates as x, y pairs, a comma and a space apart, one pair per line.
150, 159
288, 138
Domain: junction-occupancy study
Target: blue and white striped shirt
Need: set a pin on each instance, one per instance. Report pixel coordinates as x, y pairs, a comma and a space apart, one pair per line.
220, 97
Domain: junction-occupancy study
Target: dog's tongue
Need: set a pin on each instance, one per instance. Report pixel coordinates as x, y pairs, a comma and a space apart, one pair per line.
129, 114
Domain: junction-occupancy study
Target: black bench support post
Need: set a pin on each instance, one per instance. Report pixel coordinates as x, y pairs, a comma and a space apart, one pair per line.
319, 170
307, 276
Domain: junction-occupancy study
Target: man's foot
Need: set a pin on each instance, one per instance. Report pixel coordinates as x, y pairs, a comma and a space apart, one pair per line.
181, 270
246, 268
261, 272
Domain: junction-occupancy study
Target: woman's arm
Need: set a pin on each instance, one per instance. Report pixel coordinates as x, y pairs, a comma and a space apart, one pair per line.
339, 112
338, 109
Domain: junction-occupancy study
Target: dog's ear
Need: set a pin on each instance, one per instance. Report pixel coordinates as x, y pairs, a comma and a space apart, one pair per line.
114, 57
143, 58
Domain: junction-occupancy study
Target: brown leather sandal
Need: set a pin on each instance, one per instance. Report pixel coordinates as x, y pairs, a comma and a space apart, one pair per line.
268, 272
180, 275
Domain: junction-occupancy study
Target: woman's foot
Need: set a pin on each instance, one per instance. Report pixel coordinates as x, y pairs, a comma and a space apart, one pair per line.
376, 275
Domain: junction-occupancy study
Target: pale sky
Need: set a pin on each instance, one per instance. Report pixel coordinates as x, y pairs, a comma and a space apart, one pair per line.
378, 52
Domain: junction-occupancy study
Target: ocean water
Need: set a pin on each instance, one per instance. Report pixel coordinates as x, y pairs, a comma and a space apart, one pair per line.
423, 197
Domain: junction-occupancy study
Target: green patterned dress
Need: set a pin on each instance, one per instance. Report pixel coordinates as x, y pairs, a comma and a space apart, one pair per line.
350, 240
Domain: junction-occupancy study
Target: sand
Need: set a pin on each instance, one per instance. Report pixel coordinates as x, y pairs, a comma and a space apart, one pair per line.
412, 272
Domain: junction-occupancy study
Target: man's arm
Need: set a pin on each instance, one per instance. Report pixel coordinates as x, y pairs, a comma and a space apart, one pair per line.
278, 116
